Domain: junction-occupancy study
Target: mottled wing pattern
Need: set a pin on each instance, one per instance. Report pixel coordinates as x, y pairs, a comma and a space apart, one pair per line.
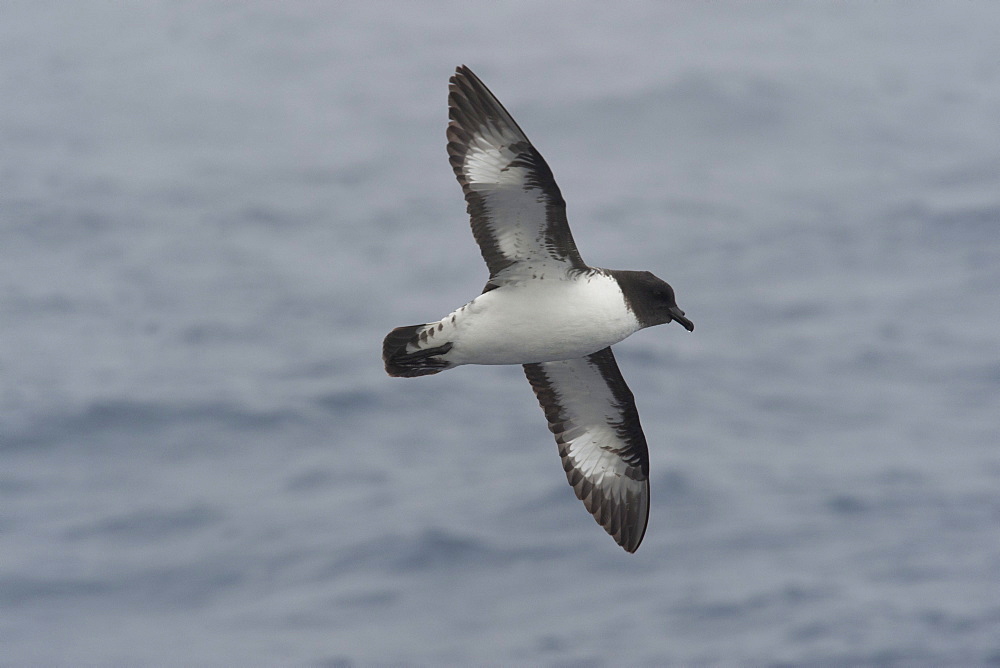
592, 414
518, 214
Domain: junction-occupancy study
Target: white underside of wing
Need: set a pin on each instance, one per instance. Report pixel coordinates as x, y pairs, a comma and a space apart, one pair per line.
591, 410
600, 450
488, 159
516, 214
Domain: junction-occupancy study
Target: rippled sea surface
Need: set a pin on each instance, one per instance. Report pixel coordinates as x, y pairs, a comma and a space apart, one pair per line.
211, 214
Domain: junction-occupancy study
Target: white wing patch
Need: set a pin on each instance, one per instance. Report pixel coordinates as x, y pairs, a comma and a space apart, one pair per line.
488, 159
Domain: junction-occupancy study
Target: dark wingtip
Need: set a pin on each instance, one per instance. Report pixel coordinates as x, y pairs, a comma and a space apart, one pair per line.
462, 71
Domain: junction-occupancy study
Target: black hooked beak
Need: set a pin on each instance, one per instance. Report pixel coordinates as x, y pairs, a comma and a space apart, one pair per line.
677, 314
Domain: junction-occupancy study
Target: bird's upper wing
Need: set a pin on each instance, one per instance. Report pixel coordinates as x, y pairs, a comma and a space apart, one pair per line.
592, 414
518, 214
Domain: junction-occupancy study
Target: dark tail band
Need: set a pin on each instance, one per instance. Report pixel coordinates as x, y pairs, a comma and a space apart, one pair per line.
402, 364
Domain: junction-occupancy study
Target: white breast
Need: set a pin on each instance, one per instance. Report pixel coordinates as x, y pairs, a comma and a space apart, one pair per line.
540, 321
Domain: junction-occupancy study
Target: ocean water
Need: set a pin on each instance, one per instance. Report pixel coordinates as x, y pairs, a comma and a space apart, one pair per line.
211, 214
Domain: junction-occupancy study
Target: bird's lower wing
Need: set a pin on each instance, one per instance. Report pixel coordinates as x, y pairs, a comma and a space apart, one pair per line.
592, 413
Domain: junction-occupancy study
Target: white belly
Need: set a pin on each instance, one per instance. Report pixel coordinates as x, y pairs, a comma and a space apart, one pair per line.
539, 321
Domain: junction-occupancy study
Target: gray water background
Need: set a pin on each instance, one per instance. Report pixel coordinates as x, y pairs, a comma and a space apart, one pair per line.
211, 214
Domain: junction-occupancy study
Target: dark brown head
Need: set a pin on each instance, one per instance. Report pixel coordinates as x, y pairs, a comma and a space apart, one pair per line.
650, 299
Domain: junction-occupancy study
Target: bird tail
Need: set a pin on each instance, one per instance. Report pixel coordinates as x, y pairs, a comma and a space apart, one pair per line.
417, 361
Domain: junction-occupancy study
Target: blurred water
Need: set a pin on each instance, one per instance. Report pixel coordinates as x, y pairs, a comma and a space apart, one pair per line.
212, 213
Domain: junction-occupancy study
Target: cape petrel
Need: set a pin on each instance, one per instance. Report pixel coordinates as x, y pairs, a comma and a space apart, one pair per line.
545, 309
